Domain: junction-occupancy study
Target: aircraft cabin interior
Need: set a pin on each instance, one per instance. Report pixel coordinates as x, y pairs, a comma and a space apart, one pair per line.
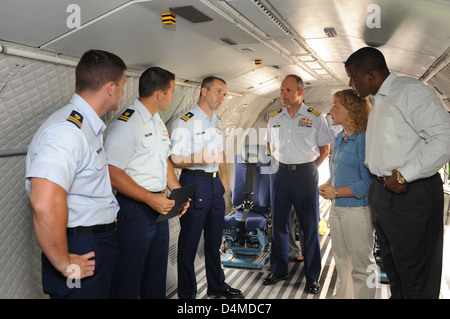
252, 45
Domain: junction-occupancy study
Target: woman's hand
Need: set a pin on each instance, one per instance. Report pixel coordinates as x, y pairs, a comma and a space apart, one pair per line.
327, 191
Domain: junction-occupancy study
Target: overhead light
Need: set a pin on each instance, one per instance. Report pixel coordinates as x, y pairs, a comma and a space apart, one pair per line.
321, 71
264, 83
330, 32
245, 49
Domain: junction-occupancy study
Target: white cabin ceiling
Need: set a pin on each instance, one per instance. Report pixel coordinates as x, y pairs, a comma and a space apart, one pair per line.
288, 36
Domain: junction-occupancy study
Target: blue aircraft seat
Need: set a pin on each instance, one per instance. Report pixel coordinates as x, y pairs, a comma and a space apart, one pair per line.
247, 228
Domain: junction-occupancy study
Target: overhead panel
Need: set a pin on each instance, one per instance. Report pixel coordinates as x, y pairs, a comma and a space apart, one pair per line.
211, 65
321, 72
34, 23
258, 20
145, 41
261, 19
292, 47
403, 35
287, 34
259, 78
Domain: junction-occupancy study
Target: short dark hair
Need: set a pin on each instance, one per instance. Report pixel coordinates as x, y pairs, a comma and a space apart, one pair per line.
96, 68
154, 79
297, 78
368, 59
207, 82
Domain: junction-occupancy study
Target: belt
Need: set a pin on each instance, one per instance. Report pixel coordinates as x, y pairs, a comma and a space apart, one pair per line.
293, 167
89, 230
200, 173
159, 192
382, 179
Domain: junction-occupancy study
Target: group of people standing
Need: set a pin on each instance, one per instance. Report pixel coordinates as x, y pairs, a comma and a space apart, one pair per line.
120, 250
97, 244
384, 180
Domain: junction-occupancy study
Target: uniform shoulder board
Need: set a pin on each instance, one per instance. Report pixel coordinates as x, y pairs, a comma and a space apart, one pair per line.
314, 111
75, 118
186, 117
276, 112
125, 116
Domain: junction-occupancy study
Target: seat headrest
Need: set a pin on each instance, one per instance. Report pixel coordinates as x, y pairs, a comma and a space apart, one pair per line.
254, 153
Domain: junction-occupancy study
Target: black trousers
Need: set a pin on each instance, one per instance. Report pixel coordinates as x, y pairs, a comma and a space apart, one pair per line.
409, 227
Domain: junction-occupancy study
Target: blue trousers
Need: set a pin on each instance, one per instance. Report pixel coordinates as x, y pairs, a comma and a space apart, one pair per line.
144, 251
299, 188
206, 213
98, 286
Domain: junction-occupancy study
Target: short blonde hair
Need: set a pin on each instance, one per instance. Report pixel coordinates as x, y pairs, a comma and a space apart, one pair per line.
358, 109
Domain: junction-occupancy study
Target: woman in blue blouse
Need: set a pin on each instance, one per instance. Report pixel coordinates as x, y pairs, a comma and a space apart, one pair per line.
352, 232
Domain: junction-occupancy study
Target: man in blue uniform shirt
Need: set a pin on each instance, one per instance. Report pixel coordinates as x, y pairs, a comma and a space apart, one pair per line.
138, 146
299, 140
198, 146
67, 179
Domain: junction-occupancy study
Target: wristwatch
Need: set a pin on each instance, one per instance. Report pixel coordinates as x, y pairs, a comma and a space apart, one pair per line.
336, 194
400, 179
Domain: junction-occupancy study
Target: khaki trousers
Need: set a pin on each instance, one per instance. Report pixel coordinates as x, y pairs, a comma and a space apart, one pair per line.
352, 238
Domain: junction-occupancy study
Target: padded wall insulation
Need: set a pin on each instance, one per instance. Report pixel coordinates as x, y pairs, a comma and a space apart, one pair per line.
31, 90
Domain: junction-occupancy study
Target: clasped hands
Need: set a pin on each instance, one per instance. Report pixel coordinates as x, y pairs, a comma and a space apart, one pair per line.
327, 191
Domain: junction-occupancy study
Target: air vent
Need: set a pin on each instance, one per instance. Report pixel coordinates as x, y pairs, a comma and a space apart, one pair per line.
228, 41
191, 14
271, 16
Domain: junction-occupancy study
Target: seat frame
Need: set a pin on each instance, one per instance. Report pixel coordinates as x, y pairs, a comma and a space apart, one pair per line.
247, 231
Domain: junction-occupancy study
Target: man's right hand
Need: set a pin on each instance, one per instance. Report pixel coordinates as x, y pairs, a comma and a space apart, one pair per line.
85, 263
160, 203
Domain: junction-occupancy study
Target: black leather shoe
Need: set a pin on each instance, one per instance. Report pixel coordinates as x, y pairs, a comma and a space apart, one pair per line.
272, 279
229, 293
312, 287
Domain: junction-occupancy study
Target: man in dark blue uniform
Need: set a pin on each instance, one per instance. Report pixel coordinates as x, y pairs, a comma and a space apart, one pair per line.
138, 147
198, 146
299, 140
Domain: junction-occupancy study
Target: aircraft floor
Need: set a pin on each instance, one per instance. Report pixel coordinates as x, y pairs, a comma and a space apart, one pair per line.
249, 281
